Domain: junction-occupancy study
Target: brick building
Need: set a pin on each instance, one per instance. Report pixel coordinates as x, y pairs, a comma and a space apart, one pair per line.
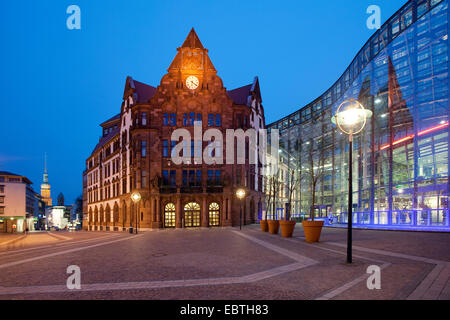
134, 152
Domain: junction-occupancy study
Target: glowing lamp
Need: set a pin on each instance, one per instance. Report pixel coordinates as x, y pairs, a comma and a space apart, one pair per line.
351, 117
240, 194
136, 197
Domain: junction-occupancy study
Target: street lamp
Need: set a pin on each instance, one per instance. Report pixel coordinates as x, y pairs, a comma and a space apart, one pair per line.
351, 118
240, 194
136, 197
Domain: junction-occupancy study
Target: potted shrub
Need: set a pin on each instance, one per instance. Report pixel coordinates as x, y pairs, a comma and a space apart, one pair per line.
313, 228
263, 223
274, 226
287, 225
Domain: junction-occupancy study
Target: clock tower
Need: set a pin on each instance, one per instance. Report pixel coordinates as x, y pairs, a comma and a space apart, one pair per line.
191, 68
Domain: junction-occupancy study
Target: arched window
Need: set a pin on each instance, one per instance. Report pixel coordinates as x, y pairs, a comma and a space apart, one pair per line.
192, 215
169, 215
214, 215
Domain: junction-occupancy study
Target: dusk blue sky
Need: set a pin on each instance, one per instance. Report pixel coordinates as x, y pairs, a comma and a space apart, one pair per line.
58, 85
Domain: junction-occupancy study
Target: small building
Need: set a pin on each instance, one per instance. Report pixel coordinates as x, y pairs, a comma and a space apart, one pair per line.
17, 203
58, 216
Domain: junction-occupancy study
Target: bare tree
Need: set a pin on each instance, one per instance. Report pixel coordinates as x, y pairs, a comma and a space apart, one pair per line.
315, 171
273, 184
294, 180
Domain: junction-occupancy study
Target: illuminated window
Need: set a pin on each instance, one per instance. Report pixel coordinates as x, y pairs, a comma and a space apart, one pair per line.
214, 215
169, 215
192, 215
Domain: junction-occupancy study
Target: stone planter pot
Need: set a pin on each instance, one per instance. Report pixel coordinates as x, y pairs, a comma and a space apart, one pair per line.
264, 225
274, 226
287, 228
312, 229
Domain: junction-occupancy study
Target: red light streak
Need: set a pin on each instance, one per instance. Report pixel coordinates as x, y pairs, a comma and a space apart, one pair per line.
421, 133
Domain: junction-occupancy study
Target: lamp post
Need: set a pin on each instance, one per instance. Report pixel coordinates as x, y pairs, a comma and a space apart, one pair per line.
136, 198
351, 118
240, 194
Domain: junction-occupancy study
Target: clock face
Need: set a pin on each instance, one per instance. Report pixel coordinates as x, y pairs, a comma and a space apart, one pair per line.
192, 82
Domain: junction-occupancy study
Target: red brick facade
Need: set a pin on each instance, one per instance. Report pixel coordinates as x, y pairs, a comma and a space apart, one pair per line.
134, 152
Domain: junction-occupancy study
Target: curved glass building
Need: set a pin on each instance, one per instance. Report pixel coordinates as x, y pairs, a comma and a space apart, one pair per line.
401, 160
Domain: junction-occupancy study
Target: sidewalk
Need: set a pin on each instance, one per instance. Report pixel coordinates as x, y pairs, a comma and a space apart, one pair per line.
21, 240
8, 238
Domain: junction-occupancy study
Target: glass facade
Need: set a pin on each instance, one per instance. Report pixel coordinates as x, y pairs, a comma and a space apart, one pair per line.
400, 164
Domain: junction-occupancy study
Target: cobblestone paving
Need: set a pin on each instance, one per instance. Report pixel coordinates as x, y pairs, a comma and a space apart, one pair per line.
227, 264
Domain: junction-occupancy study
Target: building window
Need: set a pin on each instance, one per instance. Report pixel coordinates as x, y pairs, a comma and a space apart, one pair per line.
192, 215
169, 215
189, 119
210, 120
214, 120
165, 119
144, 179
144, 118
169, 119
143, 149
214, 214
173, 119
2, 189
192, 178
2, 199
165, 152
2, 210
218, 120
169, 178
214, 177
238, 120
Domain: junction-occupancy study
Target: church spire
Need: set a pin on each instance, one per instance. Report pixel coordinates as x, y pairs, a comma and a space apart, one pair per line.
45, 186
45, 169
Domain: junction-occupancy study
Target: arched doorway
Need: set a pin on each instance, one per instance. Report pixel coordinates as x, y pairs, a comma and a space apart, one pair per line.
90, 217
124, 215
96, 218
192, 215
169, 216
107, 217
102, 218
115, 216
214, 215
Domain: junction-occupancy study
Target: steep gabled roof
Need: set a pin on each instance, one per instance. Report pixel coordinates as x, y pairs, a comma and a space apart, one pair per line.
192, 41
240, 95
243, 95
143, 91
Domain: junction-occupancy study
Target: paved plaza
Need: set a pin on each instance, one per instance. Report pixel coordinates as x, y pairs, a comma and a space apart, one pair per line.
224, 264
